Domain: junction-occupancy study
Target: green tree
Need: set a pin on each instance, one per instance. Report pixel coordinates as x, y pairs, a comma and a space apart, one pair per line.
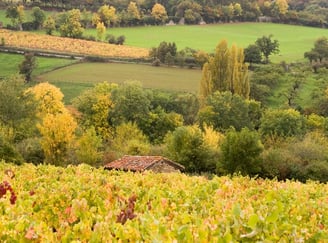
159, 123
49, 25
8, 152
267, 46
223, 110
130, 140
163, 50
38, 17
27, 66
185, 104
186, 146
131, 103
89, 148
284, 123
17, 109
71, 26
94, 105
240, 152
253, 54
16, 15
319, 51
226, 71
189, 10
86, 18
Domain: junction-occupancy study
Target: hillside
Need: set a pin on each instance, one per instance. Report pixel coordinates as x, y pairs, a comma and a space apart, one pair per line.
81, 203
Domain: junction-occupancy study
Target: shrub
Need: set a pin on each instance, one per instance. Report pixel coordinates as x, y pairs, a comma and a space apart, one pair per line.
31, 150
297, 159
95, 59
156, 62
111, 39
89, 38
315, 170
28, 26
278, 163
186, 146
8, 152
117, 41
241, 152
88, 148
284, 123
120, 40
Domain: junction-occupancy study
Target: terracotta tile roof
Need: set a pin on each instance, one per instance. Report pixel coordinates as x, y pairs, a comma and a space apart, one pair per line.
139, 163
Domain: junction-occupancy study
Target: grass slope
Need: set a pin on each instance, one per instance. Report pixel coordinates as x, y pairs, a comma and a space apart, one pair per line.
74, 79
9, 64
294, 40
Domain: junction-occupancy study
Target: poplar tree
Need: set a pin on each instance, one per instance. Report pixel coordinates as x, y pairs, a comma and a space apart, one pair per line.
225, 71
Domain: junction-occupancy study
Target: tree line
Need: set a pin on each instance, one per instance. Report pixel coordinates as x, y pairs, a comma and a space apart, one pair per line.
131, 13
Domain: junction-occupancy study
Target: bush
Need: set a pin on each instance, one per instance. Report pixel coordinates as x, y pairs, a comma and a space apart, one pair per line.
241, 152
120, 40
95, 59
284, 123
31, 150
117, 41
278, 163
186, 146
297, 159
315, 170
89, 38
9, 153
111, 39
28, 26
156, 62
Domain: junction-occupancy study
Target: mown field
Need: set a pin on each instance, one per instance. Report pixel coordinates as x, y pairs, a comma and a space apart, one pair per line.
294, 40
85, 204
74, 79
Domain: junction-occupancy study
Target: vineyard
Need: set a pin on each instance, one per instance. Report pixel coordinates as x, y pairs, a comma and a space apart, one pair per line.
83, 204
71, 46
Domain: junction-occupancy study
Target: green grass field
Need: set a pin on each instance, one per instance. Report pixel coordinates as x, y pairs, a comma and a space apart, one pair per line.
294, 40
75, 78
9, 64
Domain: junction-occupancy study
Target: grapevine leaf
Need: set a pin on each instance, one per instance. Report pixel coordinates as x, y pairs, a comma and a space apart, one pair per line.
252, 221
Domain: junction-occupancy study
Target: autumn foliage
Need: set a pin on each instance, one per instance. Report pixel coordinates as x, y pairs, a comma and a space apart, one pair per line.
68, 45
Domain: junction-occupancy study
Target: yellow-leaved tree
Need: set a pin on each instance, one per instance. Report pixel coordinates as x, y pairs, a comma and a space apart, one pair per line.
58, 133
57, 125
49, 98
101, 30
212, 138
107, 14
225, 71
159, 13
